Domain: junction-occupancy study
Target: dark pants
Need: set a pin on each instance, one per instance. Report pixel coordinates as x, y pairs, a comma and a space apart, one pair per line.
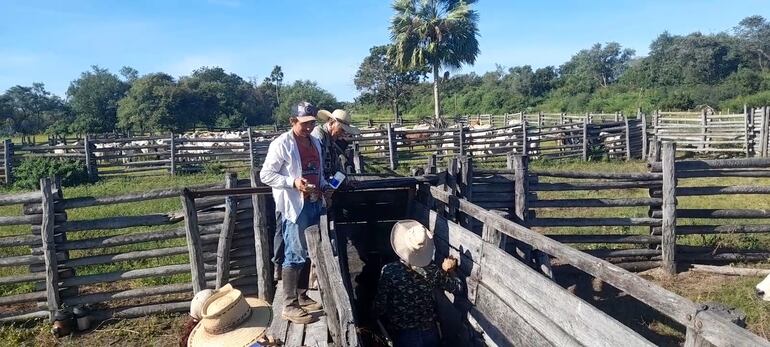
278, 248
416, 338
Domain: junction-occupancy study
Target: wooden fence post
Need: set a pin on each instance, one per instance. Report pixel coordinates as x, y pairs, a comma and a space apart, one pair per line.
358, 164
193, 242
466, 184
452, 172
749, 124
172, 152
585, 139
668, 242
462, 140
90, 160
643, 119
252, 161
392, 147
524, 144
53, 299
261, 243
540, 119
226, 235
763, 137
431, 167
628, 140
8, 161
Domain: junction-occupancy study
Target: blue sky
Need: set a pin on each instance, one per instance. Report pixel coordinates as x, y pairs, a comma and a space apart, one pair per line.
54, 41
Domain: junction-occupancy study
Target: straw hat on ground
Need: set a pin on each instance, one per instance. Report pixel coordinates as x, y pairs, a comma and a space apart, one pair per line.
412, 242
230, 319
341, 116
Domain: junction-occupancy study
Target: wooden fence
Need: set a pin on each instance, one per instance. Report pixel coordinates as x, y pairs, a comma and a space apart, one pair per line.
532, 310
622, 217
745, 133
393, 146
146, 155
164, 255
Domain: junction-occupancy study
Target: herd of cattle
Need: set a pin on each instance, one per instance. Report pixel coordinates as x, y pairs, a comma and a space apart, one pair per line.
479, 140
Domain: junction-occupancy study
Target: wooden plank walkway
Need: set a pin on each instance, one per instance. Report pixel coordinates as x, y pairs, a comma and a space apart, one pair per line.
315, 334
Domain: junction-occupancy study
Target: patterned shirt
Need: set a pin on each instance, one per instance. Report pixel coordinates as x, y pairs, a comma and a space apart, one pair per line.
405, 294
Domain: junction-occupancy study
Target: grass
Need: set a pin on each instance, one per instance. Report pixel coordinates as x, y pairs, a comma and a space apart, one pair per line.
160, 330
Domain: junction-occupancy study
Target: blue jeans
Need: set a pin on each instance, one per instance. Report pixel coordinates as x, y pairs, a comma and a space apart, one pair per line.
278, 240
295, 244
416, 338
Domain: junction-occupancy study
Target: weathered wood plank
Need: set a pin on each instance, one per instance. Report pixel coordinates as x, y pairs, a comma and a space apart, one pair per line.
668, 303
507, 327
578, 319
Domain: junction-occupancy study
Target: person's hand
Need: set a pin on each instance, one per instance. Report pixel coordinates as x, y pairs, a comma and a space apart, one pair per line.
301, 185
449, 264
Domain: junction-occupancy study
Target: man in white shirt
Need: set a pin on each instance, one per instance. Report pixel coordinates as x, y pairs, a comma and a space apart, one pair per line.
294, 169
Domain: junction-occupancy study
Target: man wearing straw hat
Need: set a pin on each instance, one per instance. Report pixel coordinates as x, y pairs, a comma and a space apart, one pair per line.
293, 169
338, 125
405, 290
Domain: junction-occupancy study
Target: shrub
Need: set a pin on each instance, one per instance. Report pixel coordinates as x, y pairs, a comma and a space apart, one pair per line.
213, 167
31, 170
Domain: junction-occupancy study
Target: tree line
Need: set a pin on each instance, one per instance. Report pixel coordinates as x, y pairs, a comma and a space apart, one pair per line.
681, 72
100, 101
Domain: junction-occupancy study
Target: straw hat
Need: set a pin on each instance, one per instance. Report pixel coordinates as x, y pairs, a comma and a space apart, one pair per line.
343, 117
196, 305
230, 319
412, 242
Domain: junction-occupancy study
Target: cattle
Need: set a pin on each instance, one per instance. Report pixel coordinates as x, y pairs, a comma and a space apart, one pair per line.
763, 289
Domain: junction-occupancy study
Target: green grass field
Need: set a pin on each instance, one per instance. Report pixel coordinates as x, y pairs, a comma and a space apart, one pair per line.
161, 330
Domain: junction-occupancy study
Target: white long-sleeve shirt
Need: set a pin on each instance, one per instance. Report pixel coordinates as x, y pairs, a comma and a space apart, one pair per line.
282, 166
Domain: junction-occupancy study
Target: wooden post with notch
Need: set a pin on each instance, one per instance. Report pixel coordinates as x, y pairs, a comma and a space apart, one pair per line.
193, 242
585, 139
668, 242
643, 118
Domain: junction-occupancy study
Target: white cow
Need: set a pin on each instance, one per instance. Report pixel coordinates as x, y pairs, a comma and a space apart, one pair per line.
763, 289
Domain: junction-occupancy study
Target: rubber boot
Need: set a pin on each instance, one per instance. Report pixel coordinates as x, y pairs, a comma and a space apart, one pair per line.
291, 309
302, 286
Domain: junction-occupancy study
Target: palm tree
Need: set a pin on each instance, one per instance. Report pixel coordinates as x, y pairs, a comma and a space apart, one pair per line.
435, 33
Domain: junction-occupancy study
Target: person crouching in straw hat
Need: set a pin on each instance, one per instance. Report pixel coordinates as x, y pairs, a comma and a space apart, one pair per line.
229, 319
405, 292
293, 169
338, 125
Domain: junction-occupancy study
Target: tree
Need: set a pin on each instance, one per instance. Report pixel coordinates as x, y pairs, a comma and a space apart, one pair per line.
276, 76
152, 103
378, 77
94, 99
754, 33
129, 74
31, 110
597, 67
219, 99
439, 33
304, 91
